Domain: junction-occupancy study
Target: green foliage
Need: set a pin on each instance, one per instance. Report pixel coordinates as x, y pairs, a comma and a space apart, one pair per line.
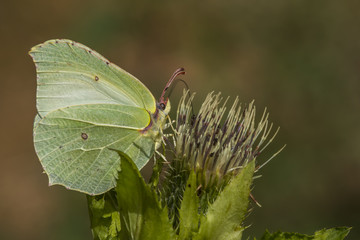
104, 217
223, 220
138, 213
141, 214
324, 234
188, 213
173, 188
133, 211
143, 218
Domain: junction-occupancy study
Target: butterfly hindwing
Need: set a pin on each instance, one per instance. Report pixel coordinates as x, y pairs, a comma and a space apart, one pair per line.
74, 144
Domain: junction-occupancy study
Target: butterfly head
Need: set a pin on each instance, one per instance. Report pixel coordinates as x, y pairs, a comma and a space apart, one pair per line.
165, 106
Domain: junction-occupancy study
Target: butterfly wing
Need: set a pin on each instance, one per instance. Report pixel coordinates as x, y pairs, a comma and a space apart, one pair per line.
73, 144
69, 73
87, 106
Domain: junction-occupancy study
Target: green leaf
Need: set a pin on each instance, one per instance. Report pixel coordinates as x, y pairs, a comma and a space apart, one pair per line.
156, 171
104, 217
223, 220
115, 226
285, 236
324, 234
189, 216
338, 233
141, 214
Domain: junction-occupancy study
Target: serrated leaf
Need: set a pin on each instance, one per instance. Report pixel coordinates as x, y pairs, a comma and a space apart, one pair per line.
338, 233
285, 236
141, 214
189, 216
224, 217
115, 226
325, 234
105, 219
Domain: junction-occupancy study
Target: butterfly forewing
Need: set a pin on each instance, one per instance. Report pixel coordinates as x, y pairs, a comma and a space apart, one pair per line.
69, 73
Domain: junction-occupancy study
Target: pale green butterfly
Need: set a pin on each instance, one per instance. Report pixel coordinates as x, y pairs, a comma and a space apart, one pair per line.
86, 106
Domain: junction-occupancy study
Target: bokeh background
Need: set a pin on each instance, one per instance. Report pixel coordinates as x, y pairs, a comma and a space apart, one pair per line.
301, 59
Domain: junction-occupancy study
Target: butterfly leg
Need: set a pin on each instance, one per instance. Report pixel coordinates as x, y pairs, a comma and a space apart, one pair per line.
161, 155
170, 124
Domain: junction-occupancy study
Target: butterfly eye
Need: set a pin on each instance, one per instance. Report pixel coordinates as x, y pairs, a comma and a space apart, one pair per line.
162, 106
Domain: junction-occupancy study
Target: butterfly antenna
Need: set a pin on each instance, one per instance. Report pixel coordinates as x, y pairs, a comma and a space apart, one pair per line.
179, 71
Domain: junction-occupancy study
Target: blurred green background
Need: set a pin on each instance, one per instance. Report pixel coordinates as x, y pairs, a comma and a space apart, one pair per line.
301, 59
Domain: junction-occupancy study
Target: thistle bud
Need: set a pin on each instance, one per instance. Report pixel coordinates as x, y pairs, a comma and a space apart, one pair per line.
216, 143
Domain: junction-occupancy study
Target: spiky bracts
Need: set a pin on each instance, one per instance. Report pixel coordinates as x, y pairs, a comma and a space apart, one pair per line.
215, 143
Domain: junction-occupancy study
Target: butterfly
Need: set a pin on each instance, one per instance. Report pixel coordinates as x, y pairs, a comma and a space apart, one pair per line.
87, 106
